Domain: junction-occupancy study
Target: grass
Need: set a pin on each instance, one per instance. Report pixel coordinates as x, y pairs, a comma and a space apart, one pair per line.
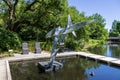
4, 54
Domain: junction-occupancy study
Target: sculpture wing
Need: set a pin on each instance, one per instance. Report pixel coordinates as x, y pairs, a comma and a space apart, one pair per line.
69, 22
77, 26
51, 33
70, 25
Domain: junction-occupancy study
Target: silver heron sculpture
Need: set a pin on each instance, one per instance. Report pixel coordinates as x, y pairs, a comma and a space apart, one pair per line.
59, 35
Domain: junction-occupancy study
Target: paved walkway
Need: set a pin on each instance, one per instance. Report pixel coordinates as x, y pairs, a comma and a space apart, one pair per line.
3, 70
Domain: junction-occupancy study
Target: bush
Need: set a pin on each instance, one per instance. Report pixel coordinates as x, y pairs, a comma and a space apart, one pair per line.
71, 44
9, 40
47, 46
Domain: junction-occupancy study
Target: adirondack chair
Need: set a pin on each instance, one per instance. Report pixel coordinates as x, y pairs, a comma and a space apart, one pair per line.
25, 48
37, 48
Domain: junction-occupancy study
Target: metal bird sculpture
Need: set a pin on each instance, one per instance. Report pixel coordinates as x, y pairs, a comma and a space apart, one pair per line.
59, 35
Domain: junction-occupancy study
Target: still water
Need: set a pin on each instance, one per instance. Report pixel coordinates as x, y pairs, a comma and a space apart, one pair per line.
74, 68
113, 50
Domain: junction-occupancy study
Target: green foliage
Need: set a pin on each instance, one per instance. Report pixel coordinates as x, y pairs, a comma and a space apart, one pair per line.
115, 31
9, 40
97, 49
46, 46
33, 19
71, 44
97, 29
43, 45
74, 44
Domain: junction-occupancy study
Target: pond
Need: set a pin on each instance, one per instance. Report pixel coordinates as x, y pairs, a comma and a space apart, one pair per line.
74, 69
111, 50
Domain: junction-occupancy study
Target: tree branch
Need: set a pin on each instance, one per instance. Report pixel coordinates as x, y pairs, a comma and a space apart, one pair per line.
14, 8
15, 3
8, 3
29, 6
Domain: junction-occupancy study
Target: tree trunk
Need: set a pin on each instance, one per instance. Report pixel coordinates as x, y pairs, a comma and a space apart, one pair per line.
11, 16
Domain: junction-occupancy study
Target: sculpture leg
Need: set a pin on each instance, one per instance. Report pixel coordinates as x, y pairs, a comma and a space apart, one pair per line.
54, 44
52, 58
54, 51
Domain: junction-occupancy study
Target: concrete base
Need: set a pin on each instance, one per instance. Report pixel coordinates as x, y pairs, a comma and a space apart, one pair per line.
45, 67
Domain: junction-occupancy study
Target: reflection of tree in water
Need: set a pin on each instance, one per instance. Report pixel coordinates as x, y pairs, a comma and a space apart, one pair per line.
27, 71
73, 69
99, 49
115, 50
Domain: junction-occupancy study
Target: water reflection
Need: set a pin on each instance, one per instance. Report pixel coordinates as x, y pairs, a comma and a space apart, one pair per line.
113, 50
99, 49
104, 72
110, 50
73, 69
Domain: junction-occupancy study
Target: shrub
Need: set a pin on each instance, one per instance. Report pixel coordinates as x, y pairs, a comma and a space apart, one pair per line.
71, 44
9, 40
46, 45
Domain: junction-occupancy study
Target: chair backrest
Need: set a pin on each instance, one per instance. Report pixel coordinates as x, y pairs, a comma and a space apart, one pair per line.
24, 46
37, 45
37, 48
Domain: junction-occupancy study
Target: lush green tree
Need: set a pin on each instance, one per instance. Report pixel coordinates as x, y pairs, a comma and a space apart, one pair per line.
32, 18
97, 29
115, 31
11, 8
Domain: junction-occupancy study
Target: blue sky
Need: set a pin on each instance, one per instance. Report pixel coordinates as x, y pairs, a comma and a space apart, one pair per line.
108, 9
